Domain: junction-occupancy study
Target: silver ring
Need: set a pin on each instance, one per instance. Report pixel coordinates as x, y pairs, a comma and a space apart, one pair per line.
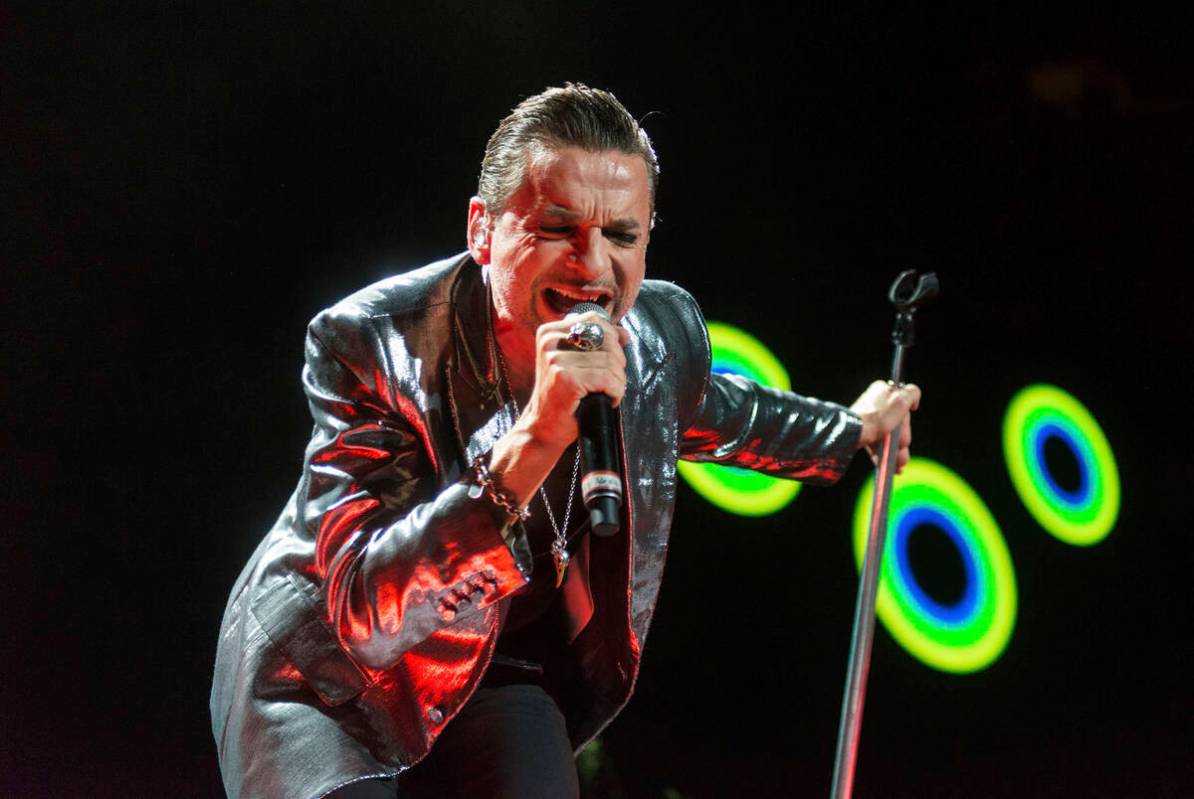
586, 336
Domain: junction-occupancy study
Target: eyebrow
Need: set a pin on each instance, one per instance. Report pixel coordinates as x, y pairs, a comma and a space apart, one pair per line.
568, 215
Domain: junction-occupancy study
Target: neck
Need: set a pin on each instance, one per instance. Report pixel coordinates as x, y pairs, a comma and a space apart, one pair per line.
515, 350
517, 359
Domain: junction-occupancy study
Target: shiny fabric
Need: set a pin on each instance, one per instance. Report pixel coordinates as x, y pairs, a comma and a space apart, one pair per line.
368, 614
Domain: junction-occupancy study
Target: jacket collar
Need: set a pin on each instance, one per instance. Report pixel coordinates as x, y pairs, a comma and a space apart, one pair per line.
481, 413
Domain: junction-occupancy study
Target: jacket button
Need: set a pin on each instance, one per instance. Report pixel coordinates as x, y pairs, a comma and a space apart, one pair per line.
436, 715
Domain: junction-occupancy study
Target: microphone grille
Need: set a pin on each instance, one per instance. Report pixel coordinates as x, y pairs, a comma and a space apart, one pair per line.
585, 307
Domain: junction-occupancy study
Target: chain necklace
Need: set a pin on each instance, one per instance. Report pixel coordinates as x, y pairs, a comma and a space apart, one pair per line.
559, 546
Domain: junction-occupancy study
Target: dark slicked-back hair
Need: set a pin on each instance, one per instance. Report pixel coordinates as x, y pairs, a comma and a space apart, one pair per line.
572, 116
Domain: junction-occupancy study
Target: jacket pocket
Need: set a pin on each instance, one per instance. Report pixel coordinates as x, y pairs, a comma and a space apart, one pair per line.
295, 625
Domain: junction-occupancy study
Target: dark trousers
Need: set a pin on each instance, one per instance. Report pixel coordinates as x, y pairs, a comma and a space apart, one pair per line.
508, 742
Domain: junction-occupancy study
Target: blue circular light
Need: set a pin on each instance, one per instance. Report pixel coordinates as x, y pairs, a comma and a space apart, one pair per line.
959, 613
1079, 497
1082, 517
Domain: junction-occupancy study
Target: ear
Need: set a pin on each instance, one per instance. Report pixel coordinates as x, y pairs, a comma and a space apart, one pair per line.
478, 231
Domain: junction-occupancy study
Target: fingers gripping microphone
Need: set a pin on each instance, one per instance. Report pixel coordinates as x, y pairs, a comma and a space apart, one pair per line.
601, 477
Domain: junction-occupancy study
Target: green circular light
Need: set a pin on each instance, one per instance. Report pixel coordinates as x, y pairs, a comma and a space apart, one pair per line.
742, 491
738, 352
962, 639
1081, 518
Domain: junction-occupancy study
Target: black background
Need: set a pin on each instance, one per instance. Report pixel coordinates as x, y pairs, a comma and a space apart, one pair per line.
185, 187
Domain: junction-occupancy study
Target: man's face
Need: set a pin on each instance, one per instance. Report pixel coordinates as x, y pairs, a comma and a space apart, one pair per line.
575, 231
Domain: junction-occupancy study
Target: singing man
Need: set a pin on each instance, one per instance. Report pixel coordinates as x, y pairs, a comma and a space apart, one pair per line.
433, 615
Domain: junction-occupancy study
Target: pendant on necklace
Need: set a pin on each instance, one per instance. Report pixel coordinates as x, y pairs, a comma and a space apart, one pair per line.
561, 558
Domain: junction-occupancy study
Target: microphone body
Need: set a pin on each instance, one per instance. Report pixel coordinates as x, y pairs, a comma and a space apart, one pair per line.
601, 473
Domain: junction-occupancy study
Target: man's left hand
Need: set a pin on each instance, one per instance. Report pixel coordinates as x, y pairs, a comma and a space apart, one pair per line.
881, 407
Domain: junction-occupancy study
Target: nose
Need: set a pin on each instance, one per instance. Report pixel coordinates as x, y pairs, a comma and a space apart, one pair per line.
592, 252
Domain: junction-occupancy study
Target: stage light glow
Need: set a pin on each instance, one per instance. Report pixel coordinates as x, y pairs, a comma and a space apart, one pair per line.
1041, 413
742, 491
971, 633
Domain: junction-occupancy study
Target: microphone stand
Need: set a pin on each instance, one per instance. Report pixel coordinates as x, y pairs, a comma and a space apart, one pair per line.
907, 293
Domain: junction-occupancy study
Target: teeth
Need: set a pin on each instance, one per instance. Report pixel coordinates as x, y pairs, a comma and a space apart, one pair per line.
579, 297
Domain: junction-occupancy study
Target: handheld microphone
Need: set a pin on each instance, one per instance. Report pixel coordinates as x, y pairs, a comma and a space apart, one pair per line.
601, 477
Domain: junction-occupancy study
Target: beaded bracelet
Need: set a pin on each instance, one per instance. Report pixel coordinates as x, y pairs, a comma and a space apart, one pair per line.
499, 497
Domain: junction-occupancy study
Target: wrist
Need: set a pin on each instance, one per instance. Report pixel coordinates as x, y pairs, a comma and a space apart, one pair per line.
860, 427
868, 435
485, 483
545, 437
521, 461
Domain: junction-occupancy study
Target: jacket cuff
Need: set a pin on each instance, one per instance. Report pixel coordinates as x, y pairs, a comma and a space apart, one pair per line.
847, 443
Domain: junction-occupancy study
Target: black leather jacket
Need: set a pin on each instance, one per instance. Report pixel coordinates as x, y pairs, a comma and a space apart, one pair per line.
368, 614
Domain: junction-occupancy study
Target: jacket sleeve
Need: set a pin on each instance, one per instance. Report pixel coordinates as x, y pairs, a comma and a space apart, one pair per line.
737, 422
398, 555
740, 423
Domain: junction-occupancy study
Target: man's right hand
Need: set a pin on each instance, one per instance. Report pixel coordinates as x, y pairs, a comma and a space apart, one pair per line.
524, 457
563, 377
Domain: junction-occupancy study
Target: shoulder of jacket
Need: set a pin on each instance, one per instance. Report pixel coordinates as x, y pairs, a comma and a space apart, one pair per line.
664, 290
407, 293
669, 311
667, 320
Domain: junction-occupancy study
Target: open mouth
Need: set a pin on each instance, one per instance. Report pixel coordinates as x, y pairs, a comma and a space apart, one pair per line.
561, 300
